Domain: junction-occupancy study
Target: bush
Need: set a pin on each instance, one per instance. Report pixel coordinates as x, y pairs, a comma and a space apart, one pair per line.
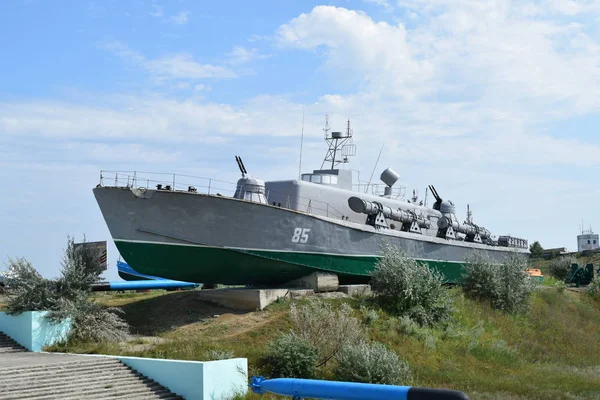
68, 296
560, 267
406, 287
560, 286
216, 354
506, 286
325, 329
29, 291
291, 356
92, 322
369, 316
594, 288
371, 363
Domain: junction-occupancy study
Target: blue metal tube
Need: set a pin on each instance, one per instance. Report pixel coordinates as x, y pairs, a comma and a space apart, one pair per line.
142, 285
316, 389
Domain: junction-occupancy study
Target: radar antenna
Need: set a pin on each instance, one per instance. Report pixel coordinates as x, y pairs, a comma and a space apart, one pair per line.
338, 142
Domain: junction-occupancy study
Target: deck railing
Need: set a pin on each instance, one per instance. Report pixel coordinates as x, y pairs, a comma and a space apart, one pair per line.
197, 184
167, 181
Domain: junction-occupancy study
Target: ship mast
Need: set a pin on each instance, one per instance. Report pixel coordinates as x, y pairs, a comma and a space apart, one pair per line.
338, 142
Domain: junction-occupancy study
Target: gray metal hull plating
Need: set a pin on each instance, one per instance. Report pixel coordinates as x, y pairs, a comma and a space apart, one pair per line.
288, 241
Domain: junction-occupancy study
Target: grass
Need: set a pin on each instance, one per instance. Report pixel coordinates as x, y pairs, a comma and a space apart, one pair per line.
552, 351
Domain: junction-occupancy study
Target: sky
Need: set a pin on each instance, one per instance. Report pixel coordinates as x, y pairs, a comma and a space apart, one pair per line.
495, 102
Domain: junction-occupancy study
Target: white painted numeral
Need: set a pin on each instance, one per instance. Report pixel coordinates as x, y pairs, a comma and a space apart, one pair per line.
300, 235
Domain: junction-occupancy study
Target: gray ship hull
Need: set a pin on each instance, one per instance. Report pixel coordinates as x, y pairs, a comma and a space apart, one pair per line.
214, 239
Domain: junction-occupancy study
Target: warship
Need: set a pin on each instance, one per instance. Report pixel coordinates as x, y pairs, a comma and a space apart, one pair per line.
270, 233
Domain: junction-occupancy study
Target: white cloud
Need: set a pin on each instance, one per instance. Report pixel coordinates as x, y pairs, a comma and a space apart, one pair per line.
202, 88
183, 66
157, 11
172, 66
242, 55
479, 71
377, 53
491, 47
180, 19
382, 3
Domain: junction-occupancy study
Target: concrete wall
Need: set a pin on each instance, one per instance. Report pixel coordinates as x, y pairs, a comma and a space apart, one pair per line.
194, 380
32, 331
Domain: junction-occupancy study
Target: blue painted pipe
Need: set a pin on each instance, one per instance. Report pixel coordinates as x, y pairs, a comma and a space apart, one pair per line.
316, 389
142, 285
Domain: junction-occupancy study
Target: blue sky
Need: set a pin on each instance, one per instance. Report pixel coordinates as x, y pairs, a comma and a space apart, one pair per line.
494, 102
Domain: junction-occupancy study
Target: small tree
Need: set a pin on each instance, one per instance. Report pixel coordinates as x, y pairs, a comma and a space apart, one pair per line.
326, 329
291, 356
506, 286
536, 249
406, 287
371, 363
68, 296
561, 266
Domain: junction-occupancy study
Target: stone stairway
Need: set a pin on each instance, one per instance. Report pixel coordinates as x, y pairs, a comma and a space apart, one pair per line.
25, 375
7, 345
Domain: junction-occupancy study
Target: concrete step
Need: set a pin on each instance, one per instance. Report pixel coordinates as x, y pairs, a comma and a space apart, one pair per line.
93, 393
85, 389
88, 377
42, 381
11, 350
63, 368
7, 345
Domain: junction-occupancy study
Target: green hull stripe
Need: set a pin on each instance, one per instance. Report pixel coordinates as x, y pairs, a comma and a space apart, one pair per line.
237, 266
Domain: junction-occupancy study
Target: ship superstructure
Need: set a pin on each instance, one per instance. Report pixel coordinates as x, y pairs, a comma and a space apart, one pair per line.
276, 231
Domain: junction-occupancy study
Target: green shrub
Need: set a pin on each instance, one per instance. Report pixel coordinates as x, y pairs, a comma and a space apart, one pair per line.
594, 288
369, 316
216, 354
506, 286
560, 286
91, 321
560, 267
328, 330
406, 287
291, 356
371, 363
408, 327
67, 296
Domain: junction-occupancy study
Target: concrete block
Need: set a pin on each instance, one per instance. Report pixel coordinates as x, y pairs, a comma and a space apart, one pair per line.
196, 380
193, 380
356, 290
317, 281
249, 299
33, 331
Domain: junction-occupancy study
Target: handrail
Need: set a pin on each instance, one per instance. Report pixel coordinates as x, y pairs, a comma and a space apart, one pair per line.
209, 186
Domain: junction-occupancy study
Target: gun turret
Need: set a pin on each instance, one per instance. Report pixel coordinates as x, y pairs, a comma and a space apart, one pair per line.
377, 215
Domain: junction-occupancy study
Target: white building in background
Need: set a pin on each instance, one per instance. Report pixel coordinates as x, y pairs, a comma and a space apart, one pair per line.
588, 240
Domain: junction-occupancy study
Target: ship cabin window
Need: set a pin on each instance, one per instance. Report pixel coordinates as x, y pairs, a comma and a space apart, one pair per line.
594, 241
325, 179
589, 241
